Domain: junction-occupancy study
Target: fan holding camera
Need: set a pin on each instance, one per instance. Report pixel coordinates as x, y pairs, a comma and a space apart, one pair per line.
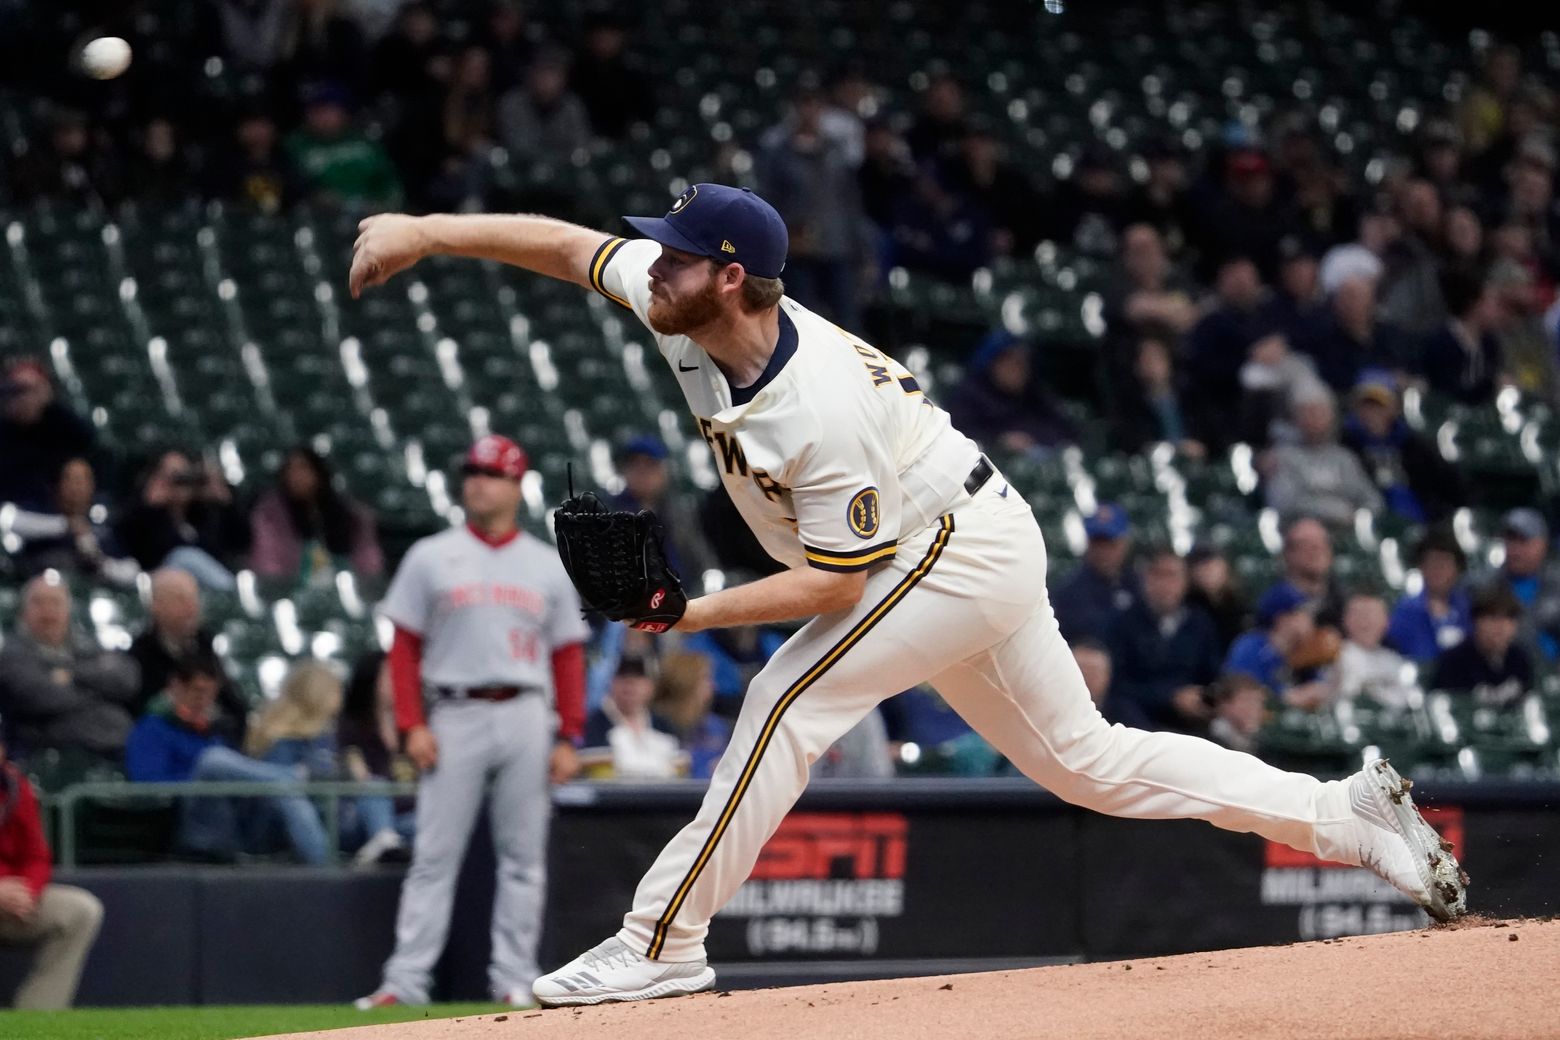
184, 517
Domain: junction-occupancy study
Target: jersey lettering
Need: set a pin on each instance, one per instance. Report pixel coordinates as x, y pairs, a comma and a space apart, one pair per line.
879, 374
771, 487
726, 447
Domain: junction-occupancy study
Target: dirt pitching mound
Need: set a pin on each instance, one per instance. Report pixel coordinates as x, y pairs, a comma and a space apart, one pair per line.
1495, 980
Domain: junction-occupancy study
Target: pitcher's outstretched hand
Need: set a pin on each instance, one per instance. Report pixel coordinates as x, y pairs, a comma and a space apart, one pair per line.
387, 244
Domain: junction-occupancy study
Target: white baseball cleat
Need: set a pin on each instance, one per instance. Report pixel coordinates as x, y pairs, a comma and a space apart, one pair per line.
1391, 839
613, 972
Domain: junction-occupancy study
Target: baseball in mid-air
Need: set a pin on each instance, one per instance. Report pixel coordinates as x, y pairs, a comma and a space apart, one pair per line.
105, 57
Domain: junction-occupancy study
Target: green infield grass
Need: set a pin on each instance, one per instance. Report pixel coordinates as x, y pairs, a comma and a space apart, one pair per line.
213, 1023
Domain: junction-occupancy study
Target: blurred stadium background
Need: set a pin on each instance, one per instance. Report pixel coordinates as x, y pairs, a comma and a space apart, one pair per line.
966, 183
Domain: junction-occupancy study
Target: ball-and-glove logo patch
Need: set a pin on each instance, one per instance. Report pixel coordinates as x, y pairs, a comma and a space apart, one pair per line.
865, 513
685, 198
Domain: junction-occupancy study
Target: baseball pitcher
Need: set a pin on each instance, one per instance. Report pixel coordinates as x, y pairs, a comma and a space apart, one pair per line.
913, 558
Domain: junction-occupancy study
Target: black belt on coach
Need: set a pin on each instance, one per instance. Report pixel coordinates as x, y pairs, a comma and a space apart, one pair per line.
482, 693
979, 475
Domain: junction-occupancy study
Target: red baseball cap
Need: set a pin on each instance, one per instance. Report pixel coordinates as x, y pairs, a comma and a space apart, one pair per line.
497, 457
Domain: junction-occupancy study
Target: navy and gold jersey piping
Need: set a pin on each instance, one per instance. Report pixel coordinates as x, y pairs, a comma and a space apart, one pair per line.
845, 562
597, 271
848, 641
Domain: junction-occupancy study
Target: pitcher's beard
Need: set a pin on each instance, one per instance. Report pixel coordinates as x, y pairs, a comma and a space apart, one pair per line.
683, 316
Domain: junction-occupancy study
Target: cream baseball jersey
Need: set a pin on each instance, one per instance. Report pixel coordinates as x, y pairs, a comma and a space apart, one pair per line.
834, 455
487, 614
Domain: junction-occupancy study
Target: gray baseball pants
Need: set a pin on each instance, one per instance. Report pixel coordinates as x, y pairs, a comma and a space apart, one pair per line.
484, 747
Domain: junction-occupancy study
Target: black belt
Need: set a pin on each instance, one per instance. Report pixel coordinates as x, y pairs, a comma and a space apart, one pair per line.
979, 475
482, 693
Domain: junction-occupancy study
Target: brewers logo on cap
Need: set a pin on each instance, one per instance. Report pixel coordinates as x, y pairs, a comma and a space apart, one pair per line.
685, 198
865, 514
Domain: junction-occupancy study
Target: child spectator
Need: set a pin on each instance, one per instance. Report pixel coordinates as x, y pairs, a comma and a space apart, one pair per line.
1286, 624
299, 729
59, 921
1415, 481
1098, 670
684, 691
304, 529
1491, 665
1366, 668
1240, 707
1438, 617
174, 743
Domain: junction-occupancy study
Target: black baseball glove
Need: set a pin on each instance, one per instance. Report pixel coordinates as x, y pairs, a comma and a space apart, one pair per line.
616, 562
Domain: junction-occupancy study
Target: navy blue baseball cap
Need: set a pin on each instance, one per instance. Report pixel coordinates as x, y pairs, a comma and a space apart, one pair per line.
1108, 521
729, 225
1279, 600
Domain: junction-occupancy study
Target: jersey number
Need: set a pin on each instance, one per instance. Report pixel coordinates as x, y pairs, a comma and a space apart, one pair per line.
523, 645
881, 368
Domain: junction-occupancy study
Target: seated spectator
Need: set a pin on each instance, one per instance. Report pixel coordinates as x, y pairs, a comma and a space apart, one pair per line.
174, 743
1002, 406
938, 127
1085, 210
1409, 291
1166, 653
1308, 562
1416, 483
299, 729
185, 518
1351, 339
1285, 623
38, 435
337, 162
1219, 345
1163, 201
737, 655
58, 688
684, 693
173, 632
72, 164
1462, 359
1533, 578
1491, 664
1273, 375
74, 538
1147, 297
60, 922
1439, 616
1103, 586
1240, 707
1366, 668
646, 480
469, 128
1215, 591
253, 169
544, 119
982, 175
1318, 476
160, 170
615, 90
808, 176
642, 746
305, 529
1156, 406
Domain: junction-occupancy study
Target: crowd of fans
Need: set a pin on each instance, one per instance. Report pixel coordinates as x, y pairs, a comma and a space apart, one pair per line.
1253, 292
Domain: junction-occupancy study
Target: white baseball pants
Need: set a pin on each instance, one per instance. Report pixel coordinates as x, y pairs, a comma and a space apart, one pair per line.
963, 606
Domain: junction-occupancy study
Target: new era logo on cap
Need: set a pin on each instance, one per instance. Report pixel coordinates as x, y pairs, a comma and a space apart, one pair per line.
731, 225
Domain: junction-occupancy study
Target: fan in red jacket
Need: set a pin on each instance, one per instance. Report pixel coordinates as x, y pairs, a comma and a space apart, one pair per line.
59, 921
